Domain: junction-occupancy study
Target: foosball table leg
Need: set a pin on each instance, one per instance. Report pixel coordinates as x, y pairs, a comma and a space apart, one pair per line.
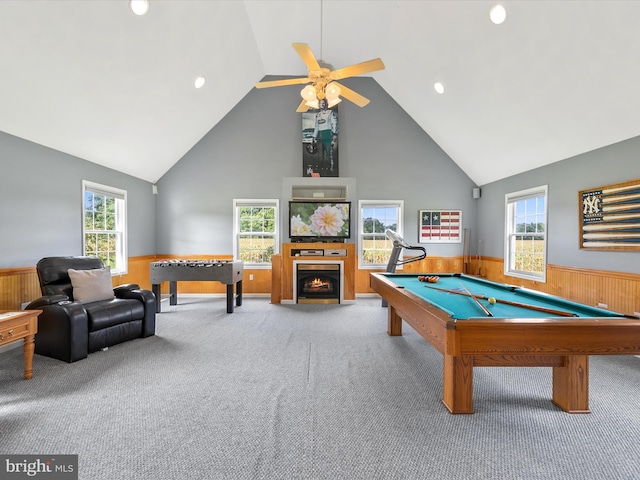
173, 293
239, 293
230, 298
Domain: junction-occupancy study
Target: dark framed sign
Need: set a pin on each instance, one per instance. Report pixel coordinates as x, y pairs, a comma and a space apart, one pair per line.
610, 217
320, 142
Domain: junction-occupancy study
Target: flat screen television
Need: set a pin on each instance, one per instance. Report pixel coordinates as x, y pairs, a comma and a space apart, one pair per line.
325, 221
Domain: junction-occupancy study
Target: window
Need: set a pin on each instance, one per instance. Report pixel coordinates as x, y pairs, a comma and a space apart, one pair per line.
525, 230
104, 228
255, 231
375, 217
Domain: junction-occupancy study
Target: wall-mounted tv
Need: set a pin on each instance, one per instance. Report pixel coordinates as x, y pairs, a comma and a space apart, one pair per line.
326, 221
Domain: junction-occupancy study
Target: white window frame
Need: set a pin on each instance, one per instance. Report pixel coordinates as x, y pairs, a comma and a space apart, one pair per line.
362, 204
120, 196
243, 202
510, 200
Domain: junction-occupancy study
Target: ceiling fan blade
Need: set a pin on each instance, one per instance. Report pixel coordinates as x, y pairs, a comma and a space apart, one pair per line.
352, 96
280, 83
357, 69
307, 56
303, 107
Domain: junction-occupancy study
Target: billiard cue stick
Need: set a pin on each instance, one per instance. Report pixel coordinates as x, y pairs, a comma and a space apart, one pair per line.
560, 313
473, 297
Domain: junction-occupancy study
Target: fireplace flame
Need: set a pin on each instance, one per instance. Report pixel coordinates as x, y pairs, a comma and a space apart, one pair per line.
317, 284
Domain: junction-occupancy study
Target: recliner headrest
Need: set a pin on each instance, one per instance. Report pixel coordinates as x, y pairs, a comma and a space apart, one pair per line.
52, 271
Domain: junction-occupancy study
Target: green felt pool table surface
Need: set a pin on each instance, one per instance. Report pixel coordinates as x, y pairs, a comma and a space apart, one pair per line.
461, 306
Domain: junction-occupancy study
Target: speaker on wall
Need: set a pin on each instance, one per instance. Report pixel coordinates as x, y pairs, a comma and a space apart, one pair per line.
475, 193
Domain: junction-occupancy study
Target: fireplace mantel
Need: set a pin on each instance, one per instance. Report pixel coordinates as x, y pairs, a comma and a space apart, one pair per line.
282, 274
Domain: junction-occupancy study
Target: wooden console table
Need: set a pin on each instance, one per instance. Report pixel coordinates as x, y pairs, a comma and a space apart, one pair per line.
17, 325
282, 267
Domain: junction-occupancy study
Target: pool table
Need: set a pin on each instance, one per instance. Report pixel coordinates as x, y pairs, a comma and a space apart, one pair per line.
446, 315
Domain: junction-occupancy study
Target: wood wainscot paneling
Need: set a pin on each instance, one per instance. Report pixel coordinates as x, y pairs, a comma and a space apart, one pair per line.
620, 292
137, 272
18, 286
254, 281
21, 285
426, 265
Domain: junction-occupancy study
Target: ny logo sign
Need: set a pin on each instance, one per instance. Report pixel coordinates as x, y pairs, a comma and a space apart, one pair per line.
590, 204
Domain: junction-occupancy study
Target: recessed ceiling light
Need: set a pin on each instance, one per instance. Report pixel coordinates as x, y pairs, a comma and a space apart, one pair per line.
438, 87
199, 82
139, 7
497, 14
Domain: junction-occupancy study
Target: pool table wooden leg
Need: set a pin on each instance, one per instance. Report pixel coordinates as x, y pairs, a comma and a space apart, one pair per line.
571, 384
394, 327
458, 384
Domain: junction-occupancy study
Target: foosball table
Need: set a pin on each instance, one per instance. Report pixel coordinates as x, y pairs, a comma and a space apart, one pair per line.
228, 272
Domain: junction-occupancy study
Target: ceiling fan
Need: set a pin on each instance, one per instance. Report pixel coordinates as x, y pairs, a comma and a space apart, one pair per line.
322, 80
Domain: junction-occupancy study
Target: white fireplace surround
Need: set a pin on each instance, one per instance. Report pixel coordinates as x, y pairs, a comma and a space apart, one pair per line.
316, 262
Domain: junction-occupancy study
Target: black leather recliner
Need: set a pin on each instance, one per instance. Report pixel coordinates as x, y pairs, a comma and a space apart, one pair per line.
69, 330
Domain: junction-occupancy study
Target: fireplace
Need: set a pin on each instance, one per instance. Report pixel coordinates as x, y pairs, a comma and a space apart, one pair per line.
318, 282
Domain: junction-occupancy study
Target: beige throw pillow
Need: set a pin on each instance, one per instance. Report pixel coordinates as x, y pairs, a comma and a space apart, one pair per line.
91, 285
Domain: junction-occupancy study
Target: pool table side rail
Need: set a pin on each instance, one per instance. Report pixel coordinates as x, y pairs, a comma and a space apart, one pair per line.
425, 318
552, 336
555, 336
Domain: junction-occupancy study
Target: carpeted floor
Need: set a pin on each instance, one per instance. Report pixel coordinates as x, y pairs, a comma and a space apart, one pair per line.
308, 392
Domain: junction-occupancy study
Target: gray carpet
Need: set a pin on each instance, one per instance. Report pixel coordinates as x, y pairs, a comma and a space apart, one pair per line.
308, 392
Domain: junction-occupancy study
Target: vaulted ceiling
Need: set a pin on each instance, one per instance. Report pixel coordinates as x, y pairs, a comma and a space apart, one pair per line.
556, 79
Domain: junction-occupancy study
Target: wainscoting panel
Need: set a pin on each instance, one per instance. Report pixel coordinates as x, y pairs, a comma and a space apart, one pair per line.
426, 265
260, 284
619, 291
18, 286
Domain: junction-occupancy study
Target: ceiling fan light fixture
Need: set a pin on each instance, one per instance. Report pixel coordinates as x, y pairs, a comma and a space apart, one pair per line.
139, 7
332, 91
497, 14
309, 93
333, 101
319, 79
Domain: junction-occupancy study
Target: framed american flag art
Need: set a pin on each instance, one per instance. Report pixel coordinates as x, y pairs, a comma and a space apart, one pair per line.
440, 226
610, 217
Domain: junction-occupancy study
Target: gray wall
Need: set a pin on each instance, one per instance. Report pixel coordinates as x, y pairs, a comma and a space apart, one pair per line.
612, 164
258, 144
41, 203
256, 148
